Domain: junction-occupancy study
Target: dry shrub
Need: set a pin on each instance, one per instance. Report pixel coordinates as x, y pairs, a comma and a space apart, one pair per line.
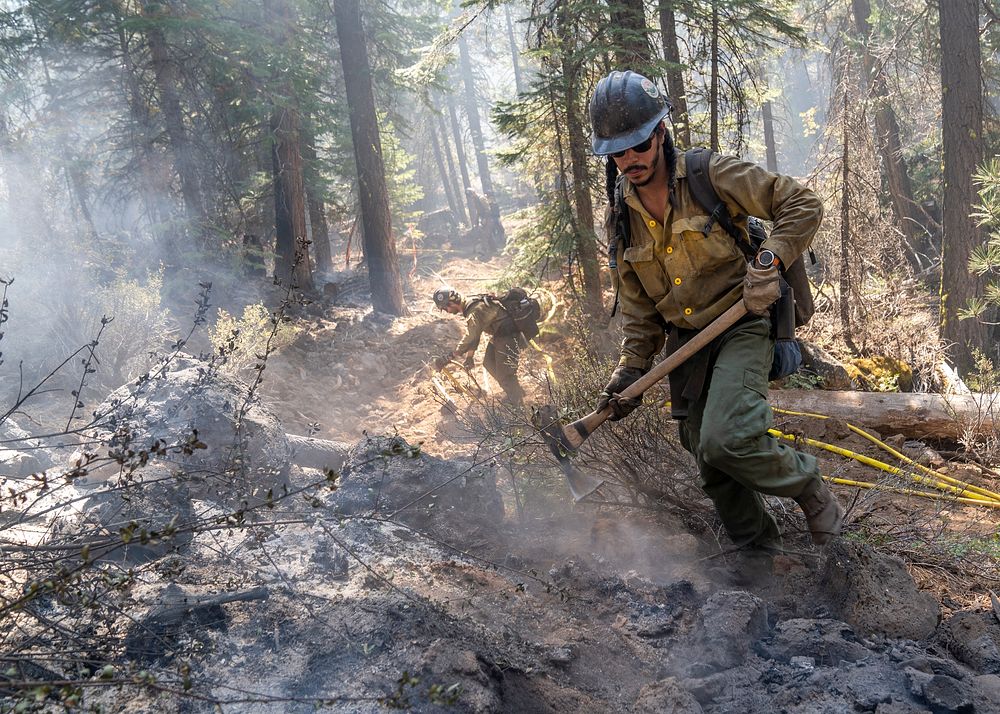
639, 457
243, 340
139, 327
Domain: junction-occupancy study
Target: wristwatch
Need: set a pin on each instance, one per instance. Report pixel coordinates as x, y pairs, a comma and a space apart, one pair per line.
767, 259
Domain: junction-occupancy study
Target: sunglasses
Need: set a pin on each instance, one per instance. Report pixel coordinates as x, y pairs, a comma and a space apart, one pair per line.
639, 148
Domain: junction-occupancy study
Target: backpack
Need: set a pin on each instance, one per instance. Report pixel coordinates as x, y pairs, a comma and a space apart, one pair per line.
525, 310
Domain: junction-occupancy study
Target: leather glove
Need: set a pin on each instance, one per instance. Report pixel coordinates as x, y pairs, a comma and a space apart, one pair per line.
469, 362
442, 361
760, 289
621, 379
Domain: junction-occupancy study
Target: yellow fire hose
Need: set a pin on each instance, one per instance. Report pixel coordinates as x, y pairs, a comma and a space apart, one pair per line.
911, 492
964, 493
955, 491
961, 485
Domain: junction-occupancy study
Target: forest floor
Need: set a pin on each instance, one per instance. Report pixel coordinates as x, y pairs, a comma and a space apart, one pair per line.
609, 645
434, 579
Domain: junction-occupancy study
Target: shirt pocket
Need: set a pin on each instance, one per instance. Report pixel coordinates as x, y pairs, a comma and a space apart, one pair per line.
705, 253
648, 269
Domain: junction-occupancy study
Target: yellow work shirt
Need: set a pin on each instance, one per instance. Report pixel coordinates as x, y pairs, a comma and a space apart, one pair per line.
481, 315
674, 273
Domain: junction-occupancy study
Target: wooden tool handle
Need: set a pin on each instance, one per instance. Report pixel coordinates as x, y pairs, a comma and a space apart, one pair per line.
576, 433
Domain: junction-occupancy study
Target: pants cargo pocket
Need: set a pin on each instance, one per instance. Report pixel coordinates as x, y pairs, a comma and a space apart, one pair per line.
755, 381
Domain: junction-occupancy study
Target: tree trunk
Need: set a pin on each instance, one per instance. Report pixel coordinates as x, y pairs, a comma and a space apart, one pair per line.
675, 74
463, 166
472, 114
845, 237
630, 36
320, 234
291, 254
153, 174
962, 139
30, 225
292, 264
380, 247
586, 239
713, 95
439, 159
514, 58
915, 416
166, 73
769, 145
452, 174
890, 147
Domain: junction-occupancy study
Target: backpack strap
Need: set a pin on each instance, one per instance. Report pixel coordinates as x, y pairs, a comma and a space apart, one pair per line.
622, 227
471, 303
703, 192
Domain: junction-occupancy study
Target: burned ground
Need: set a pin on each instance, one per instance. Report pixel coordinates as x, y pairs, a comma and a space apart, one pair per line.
420, 572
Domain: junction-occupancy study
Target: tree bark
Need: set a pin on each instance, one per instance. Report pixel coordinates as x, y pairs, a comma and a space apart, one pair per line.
586, 238
463, 165
514, 58
291, 255
675, 74
845, 236
380, 247
915, 416
887, 140
472, 114
439, 159
770, 148
166, 73
153, 173
713, 94
630, 36
292, 264
962, 138
320, 234
452, 174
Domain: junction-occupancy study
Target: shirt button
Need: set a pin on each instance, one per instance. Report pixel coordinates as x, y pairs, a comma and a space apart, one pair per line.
670, 249
652, 224
688, 311
677, 281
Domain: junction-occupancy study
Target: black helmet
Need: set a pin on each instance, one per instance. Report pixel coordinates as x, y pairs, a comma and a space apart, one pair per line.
445, 297
624, 110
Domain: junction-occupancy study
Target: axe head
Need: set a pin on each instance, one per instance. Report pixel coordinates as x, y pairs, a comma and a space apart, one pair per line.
546, 420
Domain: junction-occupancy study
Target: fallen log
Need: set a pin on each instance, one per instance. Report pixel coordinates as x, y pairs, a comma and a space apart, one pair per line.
313, 453
915, 416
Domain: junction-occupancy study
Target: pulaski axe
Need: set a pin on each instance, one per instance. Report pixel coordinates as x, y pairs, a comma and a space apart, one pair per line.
564, 440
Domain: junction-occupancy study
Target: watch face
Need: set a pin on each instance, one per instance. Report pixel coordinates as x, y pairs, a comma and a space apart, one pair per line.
765, 258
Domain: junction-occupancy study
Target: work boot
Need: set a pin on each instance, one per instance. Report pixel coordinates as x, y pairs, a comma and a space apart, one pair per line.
824, 516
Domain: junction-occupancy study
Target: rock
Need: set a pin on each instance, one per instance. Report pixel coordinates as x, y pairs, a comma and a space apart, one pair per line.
829, 641
240, 453
825, 366
666, 697
728, 625
385, 474
986, 693
895, 707
20, 454
875, 594
475, 682
145, 511
974, 639
947, 695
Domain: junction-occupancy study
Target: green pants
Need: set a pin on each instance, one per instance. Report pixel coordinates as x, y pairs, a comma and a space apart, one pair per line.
726, 432
500, 360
